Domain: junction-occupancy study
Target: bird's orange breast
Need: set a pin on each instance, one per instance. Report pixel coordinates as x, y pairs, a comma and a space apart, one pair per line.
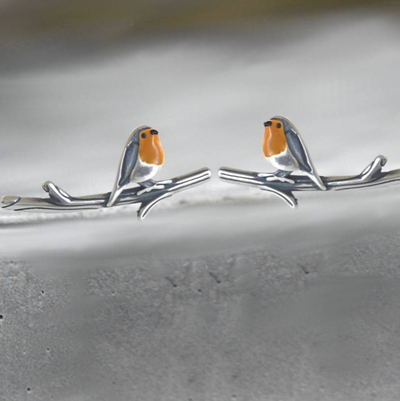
151, 150
274, 141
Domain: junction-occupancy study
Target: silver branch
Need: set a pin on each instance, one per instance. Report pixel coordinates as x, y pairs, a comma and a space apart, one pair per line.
372, 175
59, 200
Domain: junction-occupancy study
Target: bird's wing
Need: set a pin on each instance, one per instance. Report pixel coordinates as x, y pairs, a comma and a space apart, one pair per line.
127, 165
299, 151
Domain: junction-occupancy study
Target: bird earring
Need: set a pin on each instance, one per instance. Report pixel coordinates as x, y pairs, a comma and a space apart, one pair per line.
141, 159
284, 147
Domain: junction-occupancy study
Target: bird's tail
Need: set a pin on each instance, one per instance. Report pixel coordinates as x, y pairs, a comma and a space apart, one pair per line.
317, 180
114, 196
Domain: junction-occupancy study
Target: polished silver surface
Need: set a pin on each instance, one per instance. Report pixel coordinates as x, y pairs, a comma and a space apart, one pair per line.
61, 201
372, 175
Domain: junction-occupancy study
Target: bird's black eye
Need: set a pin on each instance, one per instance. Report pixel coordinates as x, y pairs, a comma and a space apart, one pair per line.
153, 132
144, 136
279, 125
267, 124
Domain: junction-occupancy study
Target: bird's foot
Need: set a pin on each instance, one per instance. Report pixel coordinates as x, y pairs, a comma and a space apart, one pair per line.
149, 189
274, 177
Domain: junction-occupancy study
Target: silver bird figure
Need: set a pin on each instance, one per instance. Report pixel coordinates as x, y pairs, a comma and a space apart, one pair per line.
284, 148
141, 158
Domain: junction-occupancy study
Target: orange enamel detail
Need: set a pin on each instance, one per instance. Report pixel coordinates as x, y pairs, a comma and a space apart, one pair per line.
274, 141
150, 149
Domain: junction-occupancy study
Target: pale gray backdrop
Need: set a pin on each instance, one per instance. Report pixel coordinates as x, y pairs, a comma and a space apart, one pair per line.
222, 293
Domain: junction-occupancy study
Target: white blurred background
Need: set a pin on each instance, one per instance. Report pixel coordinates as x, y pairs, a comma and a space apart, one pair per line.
68, 105
76, 80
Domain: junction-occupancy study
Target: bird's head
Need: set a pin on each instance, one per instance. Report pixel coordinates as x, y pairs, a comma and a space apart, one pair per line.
273, 126
150, 148
286, 123
274, 141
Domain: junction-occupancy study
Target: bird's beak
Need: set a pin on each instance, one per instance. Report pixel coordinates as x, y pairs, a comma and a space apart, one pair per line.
155, 139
